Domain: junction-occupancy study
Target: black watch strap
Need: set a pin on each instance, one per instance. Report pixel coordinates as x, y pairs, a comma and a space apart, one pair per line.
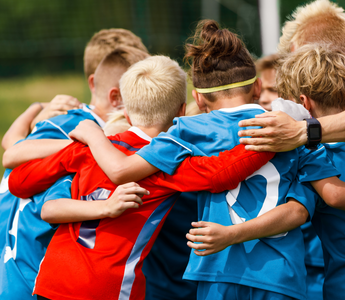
314, 133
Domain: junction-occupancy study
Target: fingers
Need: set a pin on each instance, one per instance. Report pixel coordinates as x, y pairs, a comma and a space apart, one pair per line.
133, 188
259, 121
261, 148
130, 192
61, 104
65, 100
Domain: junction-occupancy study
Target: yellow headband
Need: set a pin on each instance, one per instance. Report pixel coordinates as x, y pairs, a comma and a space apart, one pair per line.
225, 87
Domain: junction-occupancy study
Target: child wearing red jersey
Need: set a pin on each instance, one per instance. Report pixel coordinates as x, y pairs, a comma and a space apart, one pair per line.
102, 258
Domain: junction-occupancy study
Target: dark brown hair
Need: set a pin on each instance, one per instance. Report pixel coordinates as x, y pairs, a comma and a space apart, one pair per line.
218, 57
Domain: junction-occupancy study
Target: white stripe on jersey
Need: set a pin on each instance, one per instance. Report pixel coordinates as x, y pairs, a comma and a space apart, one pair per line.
58, 127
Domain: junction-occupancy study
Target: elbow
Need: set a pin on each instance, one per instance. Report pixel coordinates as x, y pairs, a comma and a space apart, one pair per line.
47, 212
336, 199
119, 174
7, 161
302, 215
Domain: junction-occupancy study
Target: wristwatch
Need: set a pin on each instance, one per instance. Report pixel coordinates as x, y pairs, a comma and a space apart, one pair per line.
314, 133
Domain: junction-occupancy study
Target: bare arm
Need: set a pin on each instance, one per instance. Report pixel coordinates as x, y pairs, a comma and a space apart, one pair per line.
67, 211
31, 149
119, 167
20, 128
282, 133
215, 237
332, 191
58, 106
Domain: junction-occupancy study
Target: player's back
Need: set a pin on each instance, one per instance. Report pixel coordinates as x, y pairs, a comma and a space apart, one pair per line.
108, 253
22, 245
329, 224
276, 264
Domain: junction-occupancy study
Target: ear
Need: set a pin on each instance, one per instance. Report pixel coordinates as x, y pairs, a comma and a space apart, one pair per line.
199, 99
257, 89
293, 47
114, 97
305, 101
127, 117
91, 83
182, 110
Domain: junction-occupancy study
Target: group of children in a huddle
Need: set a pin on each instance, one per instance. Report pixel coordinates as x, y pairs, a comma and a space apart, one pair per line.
118, 239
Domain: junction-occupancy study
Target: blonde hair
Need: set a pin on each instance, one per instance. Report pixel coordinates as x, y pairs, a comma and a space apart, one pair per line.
267, 62
111, 68
192, 109
318, 22
316, 71
153, 91
116, 123
104, 42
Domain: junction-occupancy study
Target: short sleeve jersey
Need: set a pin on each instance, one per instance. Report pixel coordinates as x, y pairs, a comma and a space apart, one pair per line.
329, 224
21, 226
274, 264
107, 253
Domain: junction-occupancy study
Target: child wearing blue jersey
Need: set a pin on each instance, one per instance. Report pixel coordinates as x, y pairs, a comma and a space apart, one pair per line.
314, 75
224, 75
23, 246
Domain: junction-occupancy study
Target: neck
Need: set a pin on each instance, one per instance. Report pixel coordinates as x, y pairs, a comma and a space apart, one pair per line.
93, 100
230, 102
154, 130
317, 112
101, 113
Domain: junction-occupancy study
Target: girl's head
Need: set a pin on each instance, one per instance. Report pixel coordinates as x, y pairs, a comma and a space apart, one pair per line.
316, 72
219, 58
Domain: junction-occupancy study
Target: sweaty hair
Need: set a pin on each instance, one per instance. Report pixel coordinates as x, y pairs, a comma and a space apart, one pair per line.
267, 62
111, 68
318, 22
218, 57
104, 42
316, 71
153, 91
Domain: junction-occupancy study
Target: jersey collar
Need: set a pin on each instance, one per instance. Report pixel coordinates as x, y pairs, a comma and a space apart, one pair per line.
140, 133
98, 119
243, 107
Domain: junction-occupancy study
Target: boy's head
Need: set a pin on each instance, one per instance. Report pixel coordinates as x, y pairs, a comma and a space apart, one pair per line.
318, 22
314, 72
154, 91
104, 42
218, 58
266, 69
109, 72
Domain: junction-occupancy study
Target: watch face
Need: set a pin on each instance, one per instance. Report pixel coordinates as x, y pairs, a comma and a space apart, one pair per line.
314, 132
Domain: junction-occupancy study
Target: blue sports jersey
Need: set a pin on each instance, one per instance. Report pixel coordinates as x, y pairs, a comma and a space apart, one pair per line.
18, 261
329, 224
313, 261
274, 264
27, 242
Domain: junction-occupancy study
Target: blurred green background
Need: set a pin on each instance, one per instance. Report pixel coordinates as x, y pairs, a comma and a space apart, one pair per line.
42, 42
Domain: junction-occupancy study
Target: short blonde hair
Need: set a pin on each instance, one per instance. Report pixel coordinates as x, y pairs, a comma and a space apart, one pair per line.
104, 42
116, 123
153, 91
111, 68
318, 22
316, 71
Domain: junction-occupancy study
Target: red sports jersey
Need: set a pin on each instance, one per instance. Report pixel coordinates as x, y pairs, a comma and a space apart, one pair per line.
102, 259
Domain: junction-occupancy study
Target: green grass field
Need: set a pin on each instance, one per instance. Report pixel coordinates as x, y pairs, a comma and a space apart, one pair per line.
18, 93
